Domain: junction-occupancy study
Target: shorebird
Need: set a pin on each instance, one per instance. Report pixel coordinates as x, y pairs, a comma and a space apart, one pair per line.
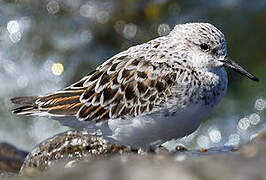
149, 93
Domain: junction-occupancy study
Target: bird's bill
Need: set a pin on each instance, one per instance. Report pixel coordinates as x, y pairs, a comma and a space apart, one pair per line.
236, 67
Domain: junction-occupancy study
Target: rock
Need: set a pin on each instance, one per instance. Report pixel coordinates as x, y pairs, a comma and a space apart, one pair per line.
68, 146
219, 163
5, 174
11, 158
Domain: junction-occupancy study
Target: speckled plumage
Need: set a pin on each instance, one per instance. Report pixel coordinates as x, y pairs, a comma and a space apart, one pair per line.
150, 93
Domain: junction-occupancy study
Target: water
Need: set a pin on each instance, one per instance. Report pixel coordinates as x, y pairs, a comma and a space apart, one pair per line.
46, 45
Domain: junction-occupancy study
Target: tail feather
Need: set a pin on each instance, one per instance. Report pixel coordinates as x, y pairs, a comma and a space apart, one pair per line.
61, 106
26, 110
28, 100
62, 103
28, 107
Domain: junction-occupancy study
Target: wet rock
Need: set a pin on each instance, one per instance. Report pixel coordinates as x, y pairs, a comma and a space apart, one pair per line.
69, 146
4, 174
254, 148
161, 150
128, 166
11, 158
215, 163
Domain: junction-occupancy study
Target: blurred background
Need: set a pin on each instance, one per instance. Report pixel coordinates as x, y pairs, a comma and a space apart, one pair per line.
48, 44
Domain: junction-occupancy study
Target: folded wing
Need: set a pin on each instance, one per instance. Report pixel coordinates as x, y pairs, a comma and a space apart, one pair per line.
122, 86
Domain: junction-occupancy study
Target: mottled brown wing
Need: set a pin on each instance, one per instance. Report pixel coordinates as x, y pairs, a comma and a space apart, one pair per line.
122, 86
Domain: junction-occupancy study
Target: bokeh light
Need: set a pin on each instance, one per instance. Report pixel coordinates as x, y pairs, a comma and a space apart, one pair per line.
215, 134
57, 69
243, 124
130, 31
14, 31
203, 141
163, 29
53, 7
254, 119
97, 11
260, 104
12, 27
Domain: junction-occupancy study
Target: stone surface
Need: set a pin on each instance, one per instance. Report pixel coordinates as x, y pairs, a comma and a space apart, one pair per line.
68, 146
11, 158
5, 174
215, 163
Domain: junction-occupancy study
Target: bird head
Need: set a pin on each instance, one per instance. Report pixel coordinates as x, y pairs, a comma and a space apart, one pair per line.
204, 47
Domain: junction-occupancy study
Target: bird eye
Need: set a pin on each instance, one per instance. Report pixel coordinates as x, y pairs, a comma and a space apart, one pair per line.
204, 46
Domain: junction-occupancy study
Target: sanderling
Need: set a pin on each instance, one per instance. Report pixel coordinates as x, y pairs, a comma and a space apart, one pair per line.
148, 94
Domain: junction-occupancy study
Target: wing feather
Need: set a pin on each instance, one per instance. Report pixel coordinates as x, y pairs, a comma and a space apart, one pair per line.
122, 86
126, 86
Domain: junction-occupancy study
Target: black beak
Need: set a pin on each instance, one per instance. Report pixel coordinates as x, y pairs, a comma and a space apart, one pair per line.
233, 65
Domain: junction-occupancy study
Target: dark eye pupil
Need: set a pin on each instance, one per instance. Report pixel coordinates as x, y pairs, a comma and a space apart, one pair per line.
204, 46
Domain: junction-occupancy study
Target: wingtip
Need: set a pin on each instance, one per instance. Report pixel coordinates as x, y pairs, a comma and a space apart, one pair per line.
25, 110
27, 100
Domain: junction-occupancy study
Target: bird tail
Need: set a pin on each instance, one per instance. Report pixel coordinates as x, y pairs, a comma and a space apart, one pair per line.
28, 107
61, 106
61, 103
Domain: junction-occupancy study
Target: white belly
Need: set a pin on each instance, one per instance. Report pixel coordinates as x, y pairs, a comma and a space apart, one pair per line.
157, 128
